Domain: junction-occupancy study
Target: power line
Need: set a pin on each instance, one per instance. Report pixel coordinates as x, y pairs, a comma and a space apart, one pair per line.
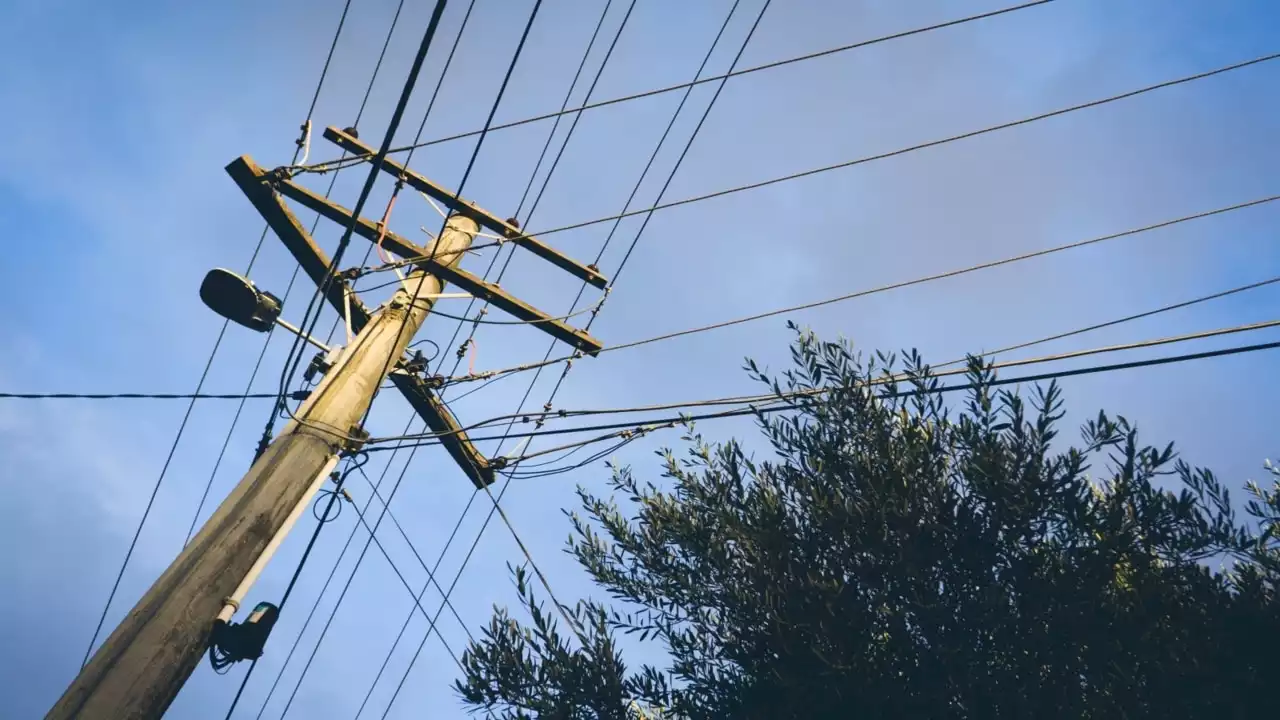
476, 321
300, 395
266, 342
325, 588
435, 93
390, 359
217, 343
751, 399
323, 520
369, 251
550, 172
431, 573
914, 148
135, 396
1055, 375
497, 500
896, 286
696, 82
309, 323
350, 578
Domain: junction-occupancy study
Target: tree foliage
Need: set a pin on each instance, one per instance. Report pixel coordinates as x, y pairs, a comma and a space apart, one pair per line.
900, 557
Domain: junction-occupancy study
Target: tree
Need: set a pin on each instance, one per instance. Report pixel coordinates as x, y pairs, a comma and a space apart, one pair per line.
898, 558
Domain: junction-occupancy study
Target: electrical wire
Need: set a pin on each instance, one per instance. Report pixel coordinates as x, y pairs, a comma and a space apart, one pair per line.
431, 573
997, 382
309, 322
322, 167
339, 479
350, 578
989, 353
328, 580
391, 358
477, 321
752, 399
480, 320
333, 571
551, 171
497, 500
635, 240
315, 96
896, 286
416, 602
134, 396
266, 342
914, 148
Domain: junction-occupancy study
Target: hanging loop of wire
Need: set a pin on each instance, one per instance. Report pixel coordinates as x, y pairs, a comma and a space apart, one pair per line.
358, 460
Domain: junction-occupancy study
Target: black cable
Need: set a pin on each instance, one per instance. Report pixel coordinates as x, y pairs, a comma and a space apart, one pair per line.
434, 568
675, 168
351, 577
134, 396
294, 357
524, 399
334, 495
914, 148
433, 344
154, 491
333, 571
391, 358
573, 84
1090, 370
266, 342
235, 419
435, 93
319, 167
478, 320
315, 96
661, 193
431, 571
754, 399
908, 283
325, 588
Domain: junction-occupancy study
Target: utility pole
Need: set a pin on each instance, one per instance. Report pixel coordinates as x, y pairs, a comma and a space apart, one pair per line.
141, 667
143, 664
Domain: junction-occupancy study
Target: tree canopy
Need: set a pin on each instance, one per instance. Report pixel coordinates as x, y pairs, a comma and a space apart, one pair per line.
902, 555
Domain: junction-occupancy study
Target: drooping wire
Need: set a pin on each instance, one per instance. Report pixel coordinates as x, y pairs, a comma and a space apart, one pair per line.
315, 96
353, 463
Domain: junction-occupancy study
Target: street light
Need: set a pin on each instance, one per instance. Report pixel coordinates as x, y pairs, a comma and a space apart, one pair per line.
237, 299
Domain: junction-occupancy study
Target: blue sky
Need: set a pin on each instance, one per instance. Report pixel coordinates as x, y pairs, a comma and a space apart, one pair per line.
114, 203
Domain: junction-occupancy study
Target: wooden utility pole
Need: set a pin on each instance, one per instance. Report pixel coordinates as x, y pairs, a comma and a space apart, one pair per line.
141, 667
